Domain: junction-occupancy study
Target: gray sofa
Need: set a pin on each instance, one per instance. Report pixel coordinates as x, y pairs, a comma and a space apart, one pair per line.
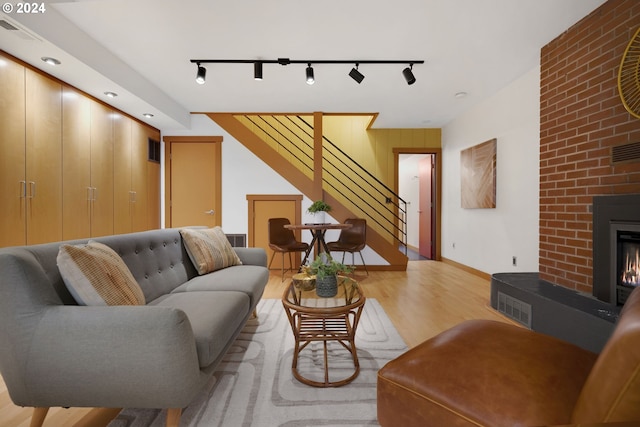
55, 353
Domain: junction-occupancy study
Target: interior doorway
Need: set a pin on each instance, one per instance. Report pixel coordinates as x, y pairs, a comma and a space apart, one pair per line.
418, 184
193, 181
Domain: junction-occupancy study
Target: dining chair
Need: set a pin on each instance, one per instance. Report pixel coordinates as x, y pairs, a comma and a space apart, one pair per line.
352, 240
283, 240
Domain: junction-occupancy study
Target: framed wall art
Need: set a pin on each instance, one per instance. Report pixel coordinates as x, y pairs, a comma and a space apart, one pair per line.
478, 176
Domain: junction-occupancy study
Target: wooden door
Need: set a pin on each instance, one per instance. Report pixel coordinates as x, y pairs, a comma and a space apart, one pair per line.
195, 180
425, 171
44, 158
139, 185
263, 207
101, 170
122, 175
12, 154
76, 175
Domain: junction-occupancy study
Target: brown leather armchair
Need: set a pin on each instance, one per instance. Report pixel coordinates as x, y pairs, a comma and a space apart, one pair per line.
353, 239
283, 240
487, 373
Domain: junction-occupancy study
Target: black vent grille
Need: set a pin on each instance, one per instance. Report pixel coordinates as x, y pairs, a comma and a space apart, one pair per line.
237, 240
4, 24
626, 153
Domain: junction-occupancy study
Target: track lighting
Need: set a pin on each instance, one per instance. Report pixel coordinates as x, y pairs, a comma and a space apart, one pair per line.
310, 79
257, 70
356, 75
201, 76
408, 75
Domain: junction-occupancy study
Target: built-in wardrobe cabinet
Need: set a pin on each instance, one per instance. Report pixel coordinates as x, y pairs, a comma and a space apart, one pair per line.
67, 161
137, 189
30, 156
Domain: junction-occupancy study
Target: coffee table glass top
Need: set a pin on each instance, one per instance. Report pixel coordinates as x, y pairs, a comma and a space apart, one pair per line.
349, 294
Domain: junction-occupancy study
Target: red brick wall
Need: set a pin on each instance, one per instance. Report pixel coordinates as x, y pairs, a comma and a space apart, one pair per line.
581, 118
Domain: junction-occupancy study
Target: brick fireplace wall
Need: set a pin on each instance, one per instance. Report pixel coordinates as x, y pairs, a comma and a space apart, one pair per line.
581, 119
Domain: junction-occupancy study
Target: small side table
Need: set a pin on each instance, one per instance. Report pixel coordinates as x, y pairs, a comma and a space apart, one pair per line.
315, 319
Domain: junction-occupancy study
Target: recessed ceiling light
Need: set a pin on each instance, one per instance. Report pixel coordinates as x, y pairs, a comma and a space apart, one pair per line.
111, 94
461, 94
148, 115
50, 61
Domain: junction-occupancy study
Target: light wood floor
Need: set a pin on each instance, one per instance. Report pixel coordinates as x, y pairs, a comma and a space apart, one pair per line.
424, 300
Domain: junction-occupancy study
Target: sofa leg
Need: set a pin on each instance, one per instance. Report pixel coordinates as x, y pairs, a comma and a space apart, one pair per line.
173, 417
255, 313
39, 414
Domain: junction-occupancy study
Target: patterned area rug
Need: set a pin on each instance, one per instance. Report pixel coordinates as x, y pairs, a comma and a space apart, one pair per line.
253, 386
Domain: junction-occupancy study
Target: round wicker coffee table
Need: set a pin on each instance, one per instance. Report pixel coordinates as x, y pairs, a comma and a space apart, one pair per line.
315, 319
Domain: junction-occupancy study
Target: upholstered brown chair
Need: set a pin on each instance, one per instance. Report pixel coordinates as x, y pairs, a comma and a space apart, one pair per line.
283, 240
351, 240
487, 373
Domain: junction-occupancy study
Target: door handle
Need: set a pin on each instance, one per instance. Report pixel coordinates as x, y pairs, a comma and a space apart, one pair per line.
210, 212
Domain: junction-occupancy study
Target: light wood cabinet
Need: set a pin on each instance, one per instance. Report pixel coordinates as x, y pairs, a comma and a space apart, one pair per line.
12, 154
102, 185
137, 180
70, 166
87, 138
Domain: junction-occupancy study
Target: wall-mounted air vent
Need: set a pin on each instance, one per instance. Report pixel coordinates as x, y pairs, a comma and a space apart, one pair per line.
514, 309
626, 153
237, 240
17, 31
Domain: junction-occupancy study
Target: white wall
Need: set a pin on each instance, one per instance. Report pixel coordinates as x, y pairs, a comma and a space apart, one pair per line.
486, 239
409, 190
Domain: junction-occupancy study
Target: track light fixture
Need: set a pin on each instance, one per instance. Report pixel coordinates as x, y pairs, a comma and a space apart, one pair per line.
201, 75
310, 79
354, 73
408, 75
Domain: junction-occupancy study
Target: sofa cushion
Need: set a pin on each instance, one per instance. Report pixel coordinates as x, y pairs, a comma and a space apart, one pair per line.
209, 249
249, 279
96, 275
214, 316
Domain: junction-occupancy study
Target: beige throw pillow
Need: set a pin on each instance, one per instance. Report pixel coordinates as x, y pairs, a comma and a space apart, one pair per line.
96, 275
209, 249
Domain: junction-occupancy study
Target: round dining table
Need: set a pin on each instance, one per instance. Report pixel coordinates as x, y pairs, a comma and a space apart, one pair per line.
317, 232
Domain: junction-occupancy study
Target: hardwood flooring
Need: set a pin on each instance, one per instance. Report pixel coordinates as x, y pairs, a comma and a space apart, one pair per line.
422, 301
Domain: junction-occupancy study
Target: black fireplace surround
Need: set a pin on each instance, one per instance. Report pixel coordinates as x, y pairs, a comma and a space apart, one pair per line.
616, 225
583, 319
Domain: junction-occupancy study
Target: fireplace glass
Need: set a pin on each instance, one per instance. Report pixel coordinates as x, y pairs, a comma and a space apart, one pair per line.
628, 263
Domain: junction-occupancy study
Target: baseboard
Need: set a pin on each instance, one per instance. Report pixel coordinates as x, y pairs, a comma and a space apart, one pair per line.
466, 268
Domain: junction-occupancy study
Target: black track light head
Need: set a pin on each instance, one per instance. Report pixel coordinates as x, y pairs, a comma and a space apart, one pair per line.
201, 75
310, 79
408, 75
356, 75
257, 70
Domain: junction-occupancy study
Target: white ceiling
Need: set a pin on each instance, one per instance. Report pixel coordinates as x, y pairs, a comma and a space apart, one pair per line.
141, 50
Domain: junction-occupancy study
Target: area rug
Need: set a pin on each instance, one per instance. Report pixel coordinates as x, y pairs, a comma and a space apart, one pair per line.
253, 385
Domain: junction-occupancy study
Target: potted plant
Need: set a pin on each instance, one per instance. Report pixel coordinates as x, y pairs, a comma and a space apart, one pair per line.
319, 207
326, 271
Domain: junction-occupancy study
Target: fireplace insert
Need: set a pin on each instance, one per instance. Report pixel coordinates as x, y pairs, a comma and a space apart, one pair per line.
627, 258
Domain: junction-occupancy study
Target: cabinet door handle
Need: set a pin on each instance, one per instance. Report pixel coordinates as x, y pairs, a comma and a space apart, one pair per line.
94, 193
210, 212
133, 196
32, 190
23, 189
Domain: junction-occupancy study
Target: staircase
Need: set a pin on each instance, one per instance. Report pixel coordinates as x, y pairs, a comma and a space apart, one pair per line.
293, 145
